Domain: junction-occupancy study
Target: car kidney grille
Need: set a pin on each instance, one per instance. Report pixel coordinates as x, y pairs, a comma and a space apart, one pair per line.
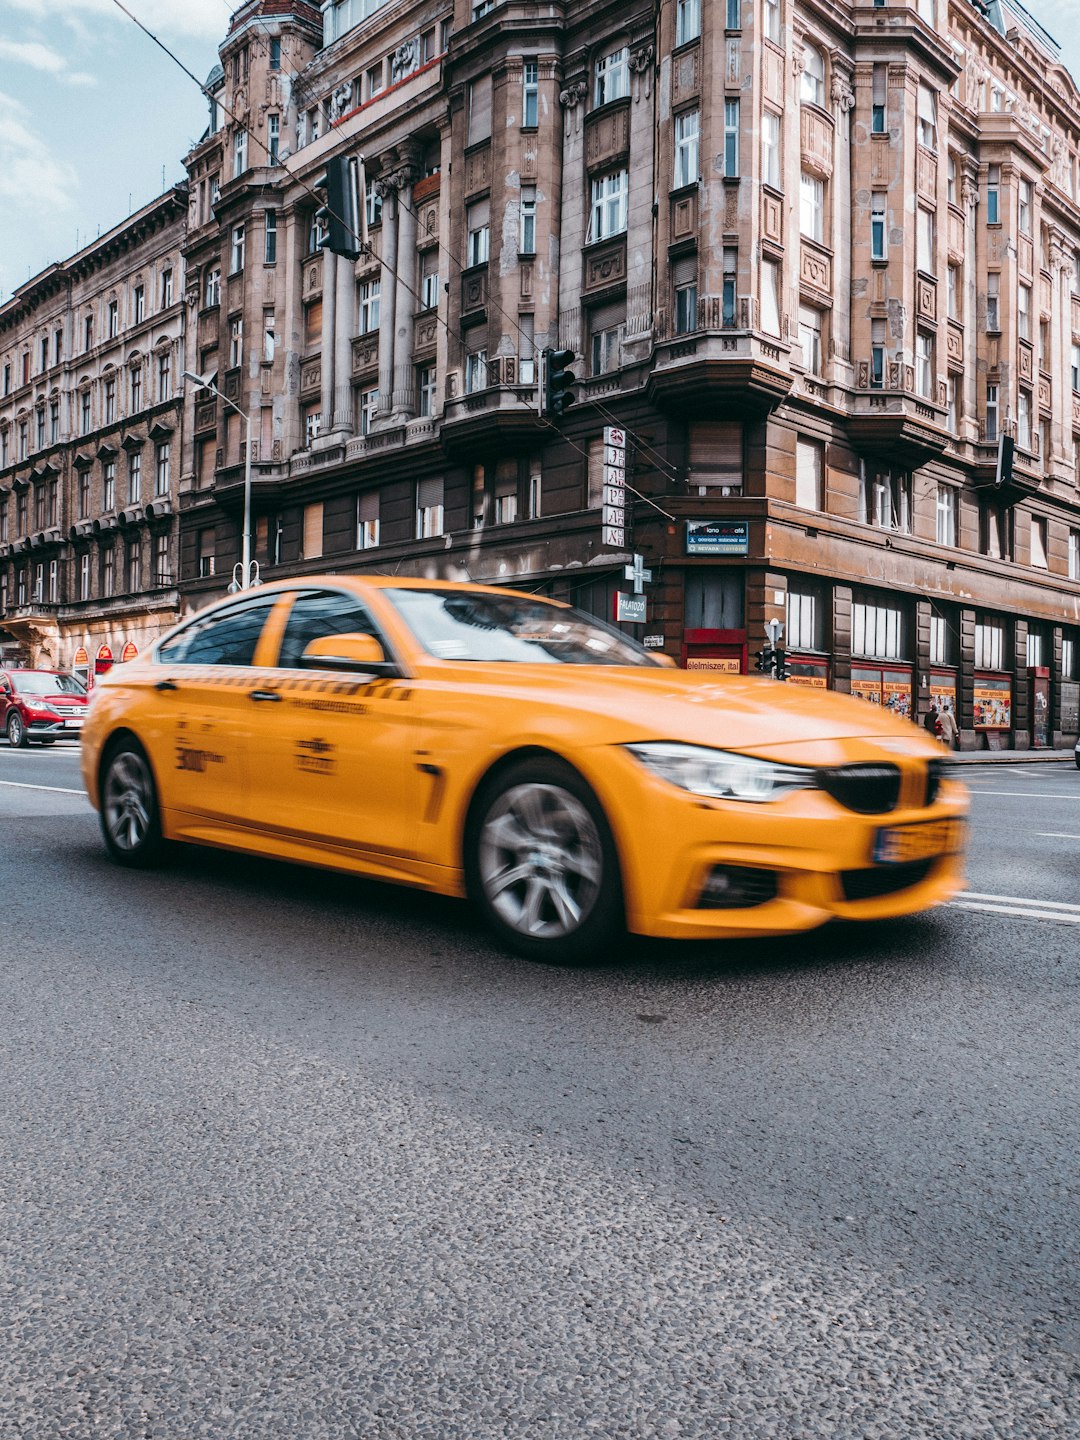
866, 789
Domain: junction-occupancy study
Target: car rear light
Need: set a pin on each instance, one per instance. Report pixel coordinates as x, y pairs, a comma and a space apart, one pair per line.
736, 887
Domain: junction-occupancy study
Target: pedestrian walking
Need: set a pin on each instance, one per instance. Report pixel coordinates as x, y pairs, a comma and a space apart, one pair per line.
948, 730
930, 719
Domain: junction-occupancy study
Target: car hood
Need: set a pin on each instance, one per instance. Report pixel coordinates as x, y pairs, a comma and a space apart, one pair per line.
748, 713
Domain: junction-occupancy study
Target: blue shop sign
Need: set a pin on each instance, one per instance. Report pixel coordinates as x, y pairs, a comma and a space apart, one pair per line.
718, 537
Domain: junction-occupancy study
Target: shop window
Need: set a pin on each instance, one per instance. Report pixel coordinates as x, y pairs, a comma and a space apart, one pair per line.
713, 600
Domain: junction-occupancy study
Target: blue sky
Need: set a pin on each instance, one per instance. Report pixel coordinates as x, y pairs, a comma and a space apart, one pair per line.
95, 119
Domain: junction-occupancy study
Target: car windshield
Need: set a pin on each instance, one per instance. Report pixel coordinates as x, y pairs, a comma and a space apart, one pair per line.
472, 625
38, 682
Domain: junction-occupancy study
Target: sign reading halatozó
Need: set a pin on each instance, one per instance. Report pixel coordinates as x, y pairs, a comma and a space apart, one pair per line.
718, 537
613, 517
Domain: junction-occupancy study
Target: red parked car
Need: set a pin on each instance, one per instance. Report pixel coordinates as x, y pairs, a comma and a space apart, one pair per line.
42, 705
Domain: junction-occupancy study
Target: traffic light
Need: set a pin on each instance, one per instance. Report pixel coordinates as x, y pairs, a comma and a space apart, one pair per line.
765, 660
343, 215
557, 382
780, 670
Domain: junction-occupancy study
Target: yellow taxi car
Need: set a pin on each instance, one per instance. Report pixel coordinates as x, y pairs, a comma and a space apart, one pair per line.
484, 742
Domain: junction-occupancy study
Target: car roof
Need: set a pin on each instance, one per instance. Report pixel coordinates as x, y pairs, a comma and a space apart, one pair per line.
394, 582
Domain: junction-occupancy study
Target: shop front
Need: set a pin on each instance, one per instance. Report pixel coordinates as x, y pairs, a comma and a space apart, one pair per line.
809, 670
993, 709
1039, 679
723, 650
889, 686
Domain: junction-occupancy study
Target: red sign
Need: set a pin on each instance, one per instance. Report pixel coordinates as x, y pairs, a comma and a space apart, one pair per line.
103, 661
129, 652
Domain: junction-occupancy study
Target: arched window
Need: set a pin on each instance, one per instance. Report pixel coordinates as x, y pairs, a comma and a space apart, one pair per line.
812, 85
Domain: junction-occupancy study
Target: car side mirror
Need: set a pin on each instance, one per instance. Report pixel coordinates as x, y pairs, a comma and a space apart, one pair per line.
347, 652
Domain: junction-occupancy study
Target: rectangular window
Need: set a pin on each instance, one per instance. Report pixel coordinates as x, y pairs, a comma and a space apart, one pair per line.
1074, 554
879, 242
108, 485
733, 19
804, 615
731, 139
927, 117
476, 376
811, 207
368, 408
270, 238
88, 336
925, 246
504, 510
993, 194
887, 498
878, 100
606, 328
877, 354
609, 206
236, 341
269, 337
237, 254
924, 365
212, 287
771, 20
108, 571
84, 407
275, 54
954, 396
810, 338
530, 95
312, 417
240, 140
162, 573
84, 577
991, 412
877, 631
136, 389
110, 401
810, 474
687, 130
993, 302
1038, 542
367, 520
372, 203
140, 304
312, 543
84, 494
687, 21
479, 105
369, 306
952, 179
729, 295
41, 419
946, 515
1023, 420
686, 307
429, 508
1023, 312
477, 222
770, 149
134, 477
770, 297
715, 452
273, 138
528, 220
112, 319
1023, 207
612, 77
526, 350
164, 377
955, 292
161, 471
429, 280
995, 539
425, 390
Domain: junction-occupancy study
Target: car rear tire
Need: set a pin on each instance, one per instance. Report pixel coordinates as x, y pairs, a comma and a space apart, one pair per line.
17, 737
130, 816
542, 866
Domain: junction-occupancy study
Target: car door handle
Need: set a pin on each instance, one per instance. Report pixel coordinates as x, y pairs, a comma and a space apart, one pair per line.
265, 695
166, 685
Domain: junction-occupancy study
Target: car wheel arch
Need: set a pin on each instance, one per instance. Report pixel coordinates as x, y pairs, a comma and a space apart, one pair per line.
509, 760
109, 747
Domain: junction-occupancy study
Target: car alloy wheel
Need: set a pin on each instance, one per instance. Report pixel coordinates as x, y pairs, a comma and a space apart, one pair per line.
544, 867
130, 819
16, 732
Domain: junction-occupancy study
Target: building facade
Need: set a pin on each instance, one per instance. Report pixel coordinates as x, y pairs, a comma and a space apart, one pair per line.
818, 263
90, 423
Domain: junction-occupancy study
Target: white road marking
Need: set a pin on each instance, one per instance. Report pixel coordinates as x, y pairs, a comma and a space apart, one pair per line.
54, 789
1030, 794
1019, 900
1018, 910
1055, 835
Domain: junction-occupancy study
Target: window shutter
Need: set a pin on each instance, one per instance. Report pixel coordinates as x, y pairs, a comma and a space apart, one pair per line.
429, 493
480, 109
313, 531
715, 455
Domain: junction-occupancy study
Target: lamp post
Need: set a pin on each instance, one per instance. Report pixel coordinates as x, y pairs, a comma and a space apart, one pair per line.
246, 573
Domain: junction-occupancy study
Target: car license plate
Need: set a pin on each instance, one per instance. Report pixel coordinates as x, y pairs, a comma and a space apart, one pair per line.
902, 844
73, 724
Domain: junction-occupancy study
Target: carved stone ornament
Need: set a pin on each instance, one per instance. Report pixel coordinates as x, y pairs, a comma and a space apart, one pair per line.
843, 97
641, 60
574, 93
395, 180
340, 101
403, 60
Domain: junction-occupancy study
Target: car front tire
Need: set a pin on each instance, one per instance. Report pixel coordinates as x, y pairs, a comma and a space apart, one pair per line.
130, 815
542, 865
17, 737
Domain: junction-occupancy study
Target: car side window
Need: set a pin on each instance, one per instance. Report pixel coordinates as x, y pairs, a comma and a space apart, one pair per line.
226, 637
322, 612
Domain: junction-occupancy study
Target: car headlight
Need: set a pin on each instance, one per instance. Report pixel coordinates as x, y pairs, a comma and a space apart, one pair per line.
719, 773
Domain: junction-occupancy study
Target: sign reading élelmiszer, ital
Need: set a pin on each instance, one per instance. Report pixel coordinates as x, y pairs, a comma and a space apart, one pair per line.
717, 537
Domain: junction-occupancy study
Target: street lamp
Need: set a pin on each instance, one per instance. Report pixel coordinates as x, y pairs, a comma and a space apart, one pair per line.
246, 573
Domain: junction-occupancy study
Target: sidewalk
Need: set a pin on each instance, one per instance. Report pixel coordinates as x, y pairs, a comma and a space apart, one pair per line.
1009, 757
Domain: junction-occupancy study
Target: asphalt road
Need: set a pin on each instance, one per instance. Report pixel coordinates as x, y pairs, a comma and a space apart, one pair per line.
286, 1155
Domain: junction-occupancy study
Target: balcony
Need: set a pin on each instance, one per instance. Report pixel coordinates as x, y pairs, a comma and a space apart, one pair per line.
734, 373
498, 420
892, 421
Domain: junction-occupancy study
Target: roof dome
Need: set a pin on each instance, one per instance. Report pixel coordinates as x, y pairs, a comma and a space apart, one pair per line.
215, 78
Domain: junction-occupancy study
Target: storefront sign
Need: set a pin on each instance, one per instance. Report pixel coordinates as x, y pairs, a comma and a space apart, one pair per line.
613, 511
727, 663
103, 661
717, 537
630, 607
653, 642
896, 692
129, 652
943, 693
993, 702
812, 673
866, 685
81, 657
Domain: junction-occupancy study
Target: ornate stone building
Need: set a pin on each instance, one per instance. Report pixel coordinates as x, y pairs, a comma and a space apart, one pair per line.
90, 412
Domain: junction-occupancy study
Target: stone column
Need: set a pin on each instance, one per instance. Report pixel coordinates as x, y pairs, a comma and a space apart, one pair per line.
387, 293
969, 196
840, 367
344, 324
403, 398
639, 228
573, 221
1061, 400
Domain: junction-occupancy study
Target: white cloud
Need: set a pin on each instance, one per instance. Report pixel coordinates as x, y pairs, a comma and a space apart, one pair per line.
32, 179
34, 54
201, 19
